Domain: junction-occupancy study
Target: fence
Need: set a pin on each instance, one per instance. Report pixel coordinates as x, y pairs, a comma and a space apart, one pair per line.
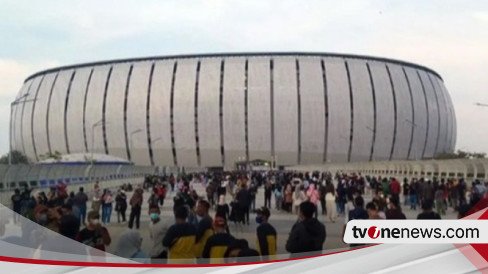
469, 169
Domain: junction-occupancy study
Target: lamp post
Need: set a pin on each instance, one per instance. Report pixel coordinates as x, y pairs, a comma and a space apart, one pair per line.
156, 140
132, 139
414, 125
12, 104
95, 125
480, 104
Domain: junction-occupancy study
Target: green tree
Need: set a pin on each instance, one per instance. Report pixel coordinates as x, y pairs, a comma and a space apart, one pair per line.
56, 156
461, 154
17, 158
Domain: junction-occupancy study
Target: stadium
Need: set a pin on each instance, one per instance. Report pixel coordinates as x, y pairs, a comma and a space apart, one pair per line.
215, 110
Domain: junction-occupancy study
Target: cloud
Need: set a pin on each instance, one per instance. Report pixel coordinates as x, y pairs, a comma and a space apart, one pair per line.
13, 75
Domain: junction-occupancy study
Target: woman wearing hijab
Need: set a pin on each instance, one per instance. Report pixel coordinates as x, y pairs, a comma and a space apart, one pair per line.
313, 196
129, 246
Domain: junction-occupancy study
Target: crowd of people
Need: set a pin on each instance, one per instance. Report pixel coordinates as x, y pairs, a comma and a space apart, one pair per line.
200, 229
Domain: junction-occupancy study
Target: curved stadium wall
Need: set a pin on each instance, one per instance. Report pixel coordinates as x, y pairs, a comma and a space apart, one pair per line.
214, 110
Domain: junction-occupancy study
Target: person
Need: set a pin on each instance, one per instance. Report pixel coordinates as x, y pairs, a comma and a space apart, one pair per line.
308, 234
204, 227
157, 230
266, 234
210, 190
180, 238
106, 201
427, 212
313, 196
299, 196
136, 204
395, 189
96, 203
288, 201
94, 234
268, 189
253, 191
129, 246
243, 198
69, 224
350, 204
79, 201
427, 191
394, 212
223, 208
406, 191
330, 200
234, 248
218, 243
413, 194
153, 200
454, 194
322, 193
358, 213
161, 191
439, 201
278, 193
373, 212
16, 204
121, 205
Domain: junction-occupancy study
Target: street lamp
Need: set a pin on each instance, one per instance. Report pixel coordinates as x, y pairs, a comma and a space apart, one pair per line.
480, 104
156, 140
131, 136
12, 104
95, 125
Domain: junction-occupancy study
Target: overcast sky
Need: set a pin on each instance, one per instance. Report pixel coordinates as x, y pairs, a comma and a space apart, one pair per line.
451, 37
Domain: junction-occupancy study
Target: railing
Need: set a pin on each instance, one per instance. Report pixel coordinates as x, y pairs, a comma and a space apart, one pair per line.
469, 169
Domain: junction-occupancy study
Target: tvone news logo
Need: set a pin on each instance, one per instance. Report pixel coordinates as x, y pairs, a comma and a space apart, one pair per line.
373, 232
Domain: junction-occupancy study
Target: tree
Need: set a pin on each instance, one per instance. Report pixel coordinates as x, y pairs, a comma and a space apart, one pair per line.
17, 158
460, 154
56, 156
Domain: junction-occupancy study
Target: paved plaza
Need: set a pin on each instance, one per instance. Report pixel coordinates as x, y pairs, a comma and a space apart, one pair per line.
281, 220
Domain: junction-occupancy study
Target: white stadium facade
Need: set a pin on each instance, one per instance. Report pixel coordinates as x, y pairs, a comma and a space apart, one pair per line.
213, 110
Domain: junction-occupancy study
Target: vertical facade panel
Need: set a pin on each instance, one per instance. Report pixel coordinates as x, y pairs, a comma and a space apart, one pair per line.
17, 116
184, 121
404, 113
160, 113
114, 113
40, 111
420, 114
136, 113
433, 130
452, 119
208, 112
26, 120
56, 112
385, 113
94, 105
233, 110
339, 110
363, 110
286, 111
259, 112
444, 112
74, 114
312, 110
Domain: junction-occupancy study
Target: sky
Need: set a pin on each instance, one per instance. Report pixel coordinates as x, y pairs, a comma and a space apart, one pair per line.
450, 37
